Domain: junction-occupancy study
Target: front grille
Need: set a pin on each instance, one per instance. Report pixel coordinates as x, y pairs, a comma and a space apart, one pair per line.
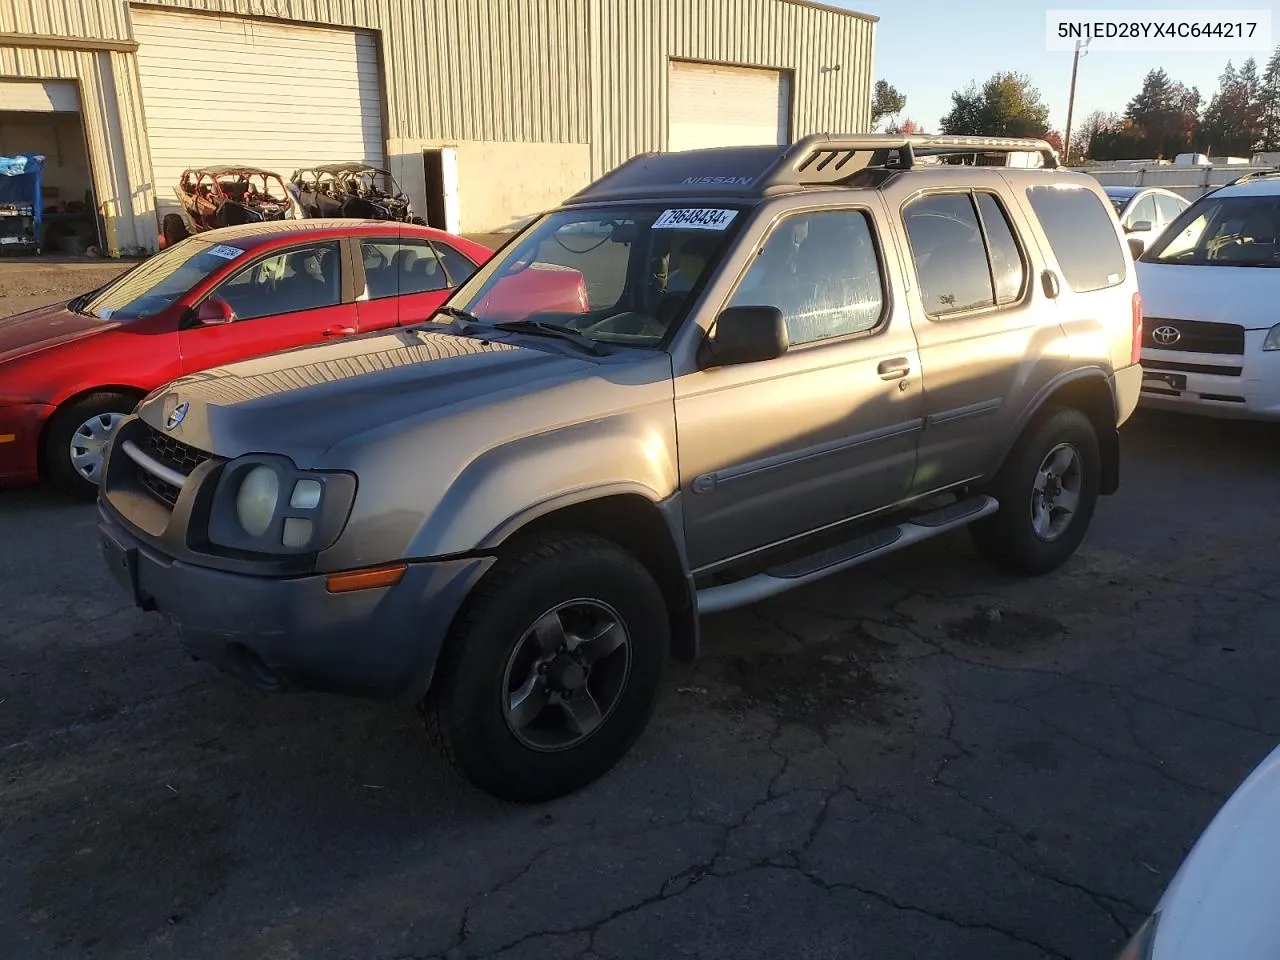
173, 454
1195, 336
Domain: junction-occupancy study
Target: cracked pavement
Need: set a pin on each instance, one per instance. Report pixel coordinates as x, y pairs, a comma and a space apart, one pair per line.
922, 758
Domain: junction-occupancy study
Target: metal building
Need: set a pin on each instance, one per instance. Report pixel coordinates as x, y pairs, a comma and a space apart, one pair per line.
486, 111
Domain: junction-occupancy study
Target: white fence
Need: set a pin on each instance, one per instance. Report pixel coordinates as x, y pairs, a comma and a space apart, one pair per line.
1189, 182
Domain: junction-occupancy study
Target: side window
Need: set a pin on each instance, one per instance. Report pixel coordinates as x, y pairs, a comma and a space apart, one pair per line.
1008, 270
949, 254
1144, 210
379, 258
1169, 208
300, 278
821, 271
457, 266
1081, 234
418, 269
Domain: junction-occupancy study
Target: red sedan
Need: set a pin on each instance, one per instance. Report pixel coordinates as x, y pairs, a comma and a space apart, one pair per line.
69, 372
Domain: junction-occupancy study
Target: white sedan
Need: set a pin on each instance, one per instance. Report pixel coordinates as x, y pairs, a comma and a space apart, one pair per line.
1145, 212
1224, 901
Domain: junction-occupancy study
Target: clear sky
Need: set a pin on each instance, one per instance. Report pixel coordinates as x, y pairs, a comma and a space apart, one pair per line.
928, 48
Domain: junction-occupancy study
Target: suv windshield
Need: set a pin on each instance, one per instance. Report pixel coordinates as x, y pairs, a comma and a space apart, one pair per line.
622, 274
1238, 231
158, 282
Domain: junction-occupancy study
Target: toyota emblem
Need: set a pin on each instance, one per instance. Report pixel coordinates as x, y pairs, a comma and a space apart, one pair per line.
1166, 336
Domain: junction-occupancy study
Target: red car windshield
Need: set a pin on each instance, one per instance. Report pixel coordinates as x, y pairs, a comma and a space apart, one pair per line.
157, 283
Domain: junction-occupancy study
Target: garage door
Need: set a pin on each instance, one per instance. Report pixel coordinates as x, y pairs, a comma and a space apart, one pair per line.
40, 96
712, 105
233, 90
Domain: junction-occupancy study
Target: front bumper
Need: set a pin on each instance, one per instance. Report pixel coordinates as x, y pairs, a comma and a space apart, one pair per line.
1240, 387
292, 633
20, 427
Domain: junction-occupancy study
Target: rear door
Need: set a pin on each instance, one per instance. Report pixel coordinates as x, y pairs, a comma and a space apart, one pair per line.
979, 315
286, 298
407, 278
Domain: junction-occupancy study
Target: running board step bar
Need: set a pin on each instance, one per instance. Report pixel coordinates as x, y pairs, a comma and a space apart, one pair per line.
809, 569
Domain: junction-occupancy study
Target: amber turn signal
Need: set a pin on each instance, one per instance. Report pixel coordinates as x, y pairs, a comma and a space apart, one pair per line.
369, 579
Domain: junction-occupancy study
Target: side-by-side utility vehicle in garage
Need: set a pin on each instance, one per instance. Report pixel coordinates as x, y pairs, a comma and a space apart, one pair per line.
785, 361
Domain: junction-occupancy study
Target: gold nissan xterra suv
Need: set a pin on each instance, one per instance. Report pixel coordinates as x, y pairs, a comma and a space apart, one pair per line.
707, 378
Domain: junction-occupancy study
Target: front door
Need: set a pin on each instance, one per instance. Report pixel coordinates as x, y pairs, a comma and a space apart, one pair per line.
826, 432
287, 298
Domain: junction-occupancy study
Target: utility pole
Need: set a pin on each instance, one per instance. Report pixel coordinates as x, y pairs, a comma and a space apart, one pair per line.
1071, 100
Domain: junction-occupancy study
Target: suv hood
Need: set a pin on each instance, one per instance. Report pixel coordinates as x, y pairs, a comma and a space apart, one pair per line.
44, 327
1243, 295
301, 402
1222, 901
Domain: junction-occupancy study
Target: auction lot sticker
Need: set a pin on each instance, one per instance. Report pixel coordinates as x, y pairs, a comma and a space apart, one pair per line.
226, 252
694, 219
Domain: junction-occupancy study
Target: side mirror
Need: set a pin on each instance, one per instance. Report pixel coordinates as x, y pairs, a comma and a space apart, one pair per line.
1142, 226
214, 311
1136, 247
745, 335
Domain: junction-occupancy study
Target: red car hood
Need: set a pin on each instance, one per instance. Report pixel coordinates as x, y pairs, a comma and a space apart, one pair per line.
45, 327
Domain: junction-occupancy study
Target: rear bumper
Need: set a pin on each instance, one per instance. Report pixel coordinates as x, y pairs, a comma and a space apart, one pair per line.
20, 427
1127, 383
281, 634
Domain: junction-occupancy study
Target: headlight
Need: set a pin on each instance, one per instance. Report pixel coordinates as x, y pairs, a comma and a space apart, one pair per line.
1272, 342
265, 504
257, 499
1142, 944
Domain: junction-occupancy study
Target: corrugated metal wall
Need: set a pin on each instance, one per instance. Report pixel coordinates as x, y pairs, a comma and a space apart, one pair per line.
100, 19
585, 71
542, 71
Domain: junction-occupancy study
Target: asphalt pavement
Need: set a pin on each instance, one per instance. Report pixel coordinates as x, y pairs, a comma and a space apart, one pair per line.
919, 759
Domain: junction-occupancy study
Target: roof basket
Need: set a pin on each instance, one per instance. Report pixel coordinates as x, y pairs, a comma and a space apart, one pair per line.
825, 158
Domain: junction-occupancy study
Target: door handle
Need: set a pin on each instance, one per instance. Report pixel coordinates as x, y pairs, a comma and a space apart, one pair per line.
894, 369
339, 332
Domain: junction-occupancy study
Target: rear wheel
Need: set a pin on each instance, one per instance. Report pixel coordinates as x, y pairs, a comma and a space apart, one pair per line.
553, 669
75, 437
173, 228
1048, 489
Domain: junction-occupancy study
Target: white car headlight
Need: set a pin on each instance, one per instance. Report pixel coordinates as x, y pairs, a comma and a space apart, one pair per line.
1272, 342
256, 500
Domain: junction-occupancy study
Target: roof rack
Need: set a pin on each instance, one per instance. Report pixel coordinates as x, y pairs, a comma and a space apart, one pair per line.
1252, 175
752, 172
824, 158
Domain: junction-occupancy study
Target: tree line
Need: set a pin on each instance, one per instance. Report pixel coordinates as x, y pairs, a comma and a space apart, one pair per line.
1163, 119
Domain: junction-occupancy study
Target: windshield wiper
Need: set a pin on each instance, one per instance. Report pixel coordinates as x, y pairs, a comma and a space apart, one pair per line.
552, 330
462, 315
76, 304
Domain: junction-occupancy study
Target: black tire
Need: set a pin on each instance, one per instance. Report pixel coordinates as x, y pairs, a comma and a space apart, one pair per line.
1008, 537
55, 451
464, 711
173, 228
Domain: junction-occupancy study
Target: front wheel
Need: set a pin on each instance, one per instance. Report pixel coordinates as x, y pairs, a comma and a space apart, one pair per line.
553, 669
74, 440
1047, 489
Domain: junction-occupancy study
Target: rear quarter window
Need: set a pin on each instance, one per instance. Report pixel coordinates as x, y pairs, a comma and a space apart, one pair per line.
1081, 234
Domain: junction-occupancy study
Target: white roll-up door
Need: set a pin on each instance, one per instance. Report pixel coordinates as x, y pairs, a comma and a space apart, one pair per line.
714, 105
40, 96
222, 89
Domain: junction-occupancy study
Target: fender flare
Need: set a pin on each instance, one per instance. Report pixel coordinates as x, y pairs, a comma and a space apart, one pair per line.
1108, 441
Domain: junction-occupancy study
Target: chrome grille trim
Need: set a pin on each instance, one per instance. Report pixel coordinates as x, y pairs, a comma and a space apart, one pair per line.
152, 465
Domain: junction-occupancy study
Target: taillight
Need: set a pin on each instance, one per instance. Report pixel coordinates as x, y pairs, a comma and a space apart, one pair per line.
1135, 349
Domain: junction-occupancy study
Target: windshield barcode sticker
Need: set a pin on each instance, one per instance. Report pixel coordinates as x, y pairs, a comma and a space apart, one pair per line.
694, 219
226, 252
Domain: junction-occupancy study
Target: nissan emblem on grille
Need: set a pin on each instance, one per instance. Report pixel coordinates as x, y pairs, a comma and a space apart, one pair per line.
1165, 336
180, 413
